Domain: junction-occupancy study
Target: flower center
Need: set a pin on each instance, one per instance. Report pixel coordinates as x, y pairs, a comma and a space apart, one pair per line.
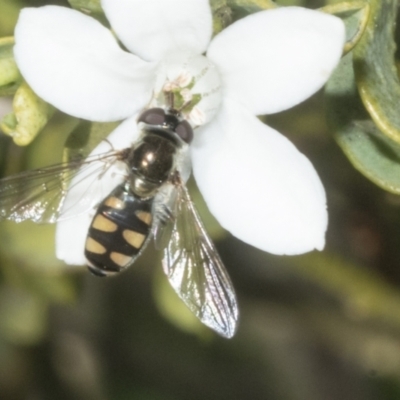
190, 84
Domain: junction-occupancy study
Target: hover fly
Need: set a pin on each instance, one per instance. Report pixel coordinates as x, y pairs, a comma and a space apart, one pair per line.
151, 202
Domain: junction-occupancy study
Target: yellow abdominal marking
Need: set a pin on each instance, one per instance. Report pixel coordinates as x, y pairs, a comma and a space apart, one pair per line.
144, 216
135, 239
114, 202
94, 247
104, 224
120, 259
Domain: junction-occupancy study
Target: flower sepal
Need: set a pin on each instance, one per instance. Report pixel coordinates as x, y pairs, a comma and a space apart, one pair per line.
29, 117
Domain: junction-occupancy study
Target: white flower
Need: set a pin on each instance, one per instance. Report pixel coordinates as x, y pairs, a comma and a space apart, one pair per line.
255, 182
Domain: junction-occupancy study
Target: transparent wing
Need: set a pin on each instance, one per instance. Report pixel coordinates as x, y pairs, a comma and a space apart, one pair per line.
39, 194
192, 264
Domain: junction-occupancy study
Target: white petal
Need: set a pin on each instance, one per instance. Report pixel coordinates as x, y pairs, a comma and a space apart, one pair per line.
74, 63
152, 28
258, 185
70, 239
272, 60
71, 233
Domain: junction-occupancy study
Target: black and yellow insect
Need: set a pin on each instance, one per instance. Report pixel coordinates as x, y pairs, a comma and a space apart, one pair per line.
151, 202
118, 232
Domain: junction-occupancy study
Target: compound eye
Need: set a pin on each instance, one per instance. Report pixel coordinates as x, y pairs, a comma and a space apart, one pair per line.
184, 131
153, 116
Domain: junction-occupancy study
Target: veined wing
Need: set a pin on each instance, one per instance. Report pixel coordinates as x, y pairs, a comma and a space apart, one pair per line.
39, 194
194, 268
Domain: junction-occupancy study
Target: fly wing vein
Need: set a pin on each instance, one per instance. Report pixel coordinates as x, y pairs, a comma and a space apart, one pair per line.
196, 271
38, 195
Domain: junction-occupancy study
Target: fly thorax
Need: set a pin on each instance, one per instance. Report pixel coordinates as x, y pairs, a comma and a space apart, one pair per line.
189, 83
151, 162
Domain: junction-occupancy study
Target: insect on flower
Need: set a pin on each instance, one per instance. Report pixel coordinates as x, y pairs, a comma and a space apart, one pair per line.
152, 201
174, 77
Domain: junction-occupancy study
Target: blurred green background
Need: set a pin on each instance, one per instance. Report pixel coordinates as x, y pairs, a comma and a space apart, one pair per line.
319, 326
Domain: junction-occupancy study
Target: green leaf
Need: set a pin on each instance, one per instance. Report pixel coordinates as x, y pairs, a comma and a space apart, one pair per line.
227, 11
222, 15
48, 147
242, 8
85, 137
355, 16
368, 149
10, 78
23, 316
9, 10
50, 281
290, 3
246, 7
31, 245
90, 7
87, 6
375, 69
361, 290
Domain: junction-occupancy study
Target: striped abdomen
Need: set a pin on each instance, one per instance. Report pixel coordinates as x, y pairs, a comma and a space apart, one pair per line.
118, 232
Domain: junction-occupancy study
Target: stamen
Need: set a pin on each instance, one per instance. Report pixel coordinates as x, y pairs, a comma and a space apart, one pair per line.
189, 84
